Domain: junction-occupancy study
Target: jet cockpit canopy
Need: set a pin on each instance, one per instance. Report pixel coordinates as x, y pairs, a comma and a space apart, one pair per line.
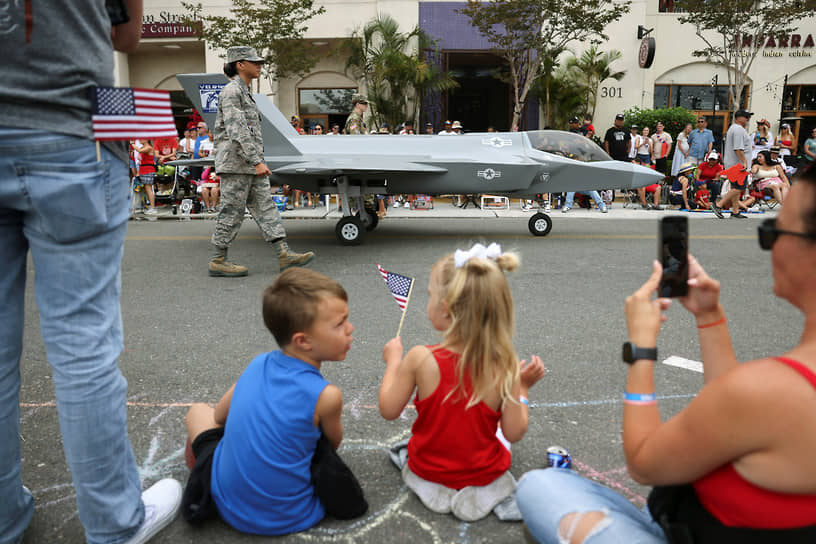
567, 144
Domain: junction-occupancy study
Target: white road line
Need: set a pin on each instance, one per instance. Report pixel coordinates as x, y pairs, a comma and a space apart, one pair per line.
681, 362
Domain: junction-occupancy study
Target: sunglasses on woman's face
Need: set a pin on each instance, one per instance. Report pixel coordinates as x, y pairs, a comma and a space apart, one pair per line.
768, 233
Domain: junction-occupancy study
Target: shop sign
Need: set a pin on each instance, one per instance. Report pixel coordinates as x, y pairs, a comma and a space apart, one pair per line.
647, 52
795, 43
167, 25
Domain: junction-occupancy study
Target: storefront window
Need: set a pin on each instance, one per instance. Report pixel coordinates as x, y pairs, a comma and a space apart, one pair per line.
807, 98
694, 97
661, 96
326, 101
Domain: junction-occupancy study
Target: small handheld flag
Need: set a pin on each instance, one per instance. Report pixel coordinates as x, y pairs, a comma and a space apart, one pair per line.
400, 287
122, 113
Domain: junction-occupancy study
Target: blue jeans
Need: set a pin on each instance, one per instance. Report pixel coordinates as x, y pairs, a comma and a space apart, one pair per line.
546, 496
71, 213
591, 194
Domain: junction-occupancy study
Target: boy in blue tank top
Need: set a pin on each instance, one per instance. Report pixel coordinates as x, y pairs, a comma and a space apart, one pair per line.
254, 450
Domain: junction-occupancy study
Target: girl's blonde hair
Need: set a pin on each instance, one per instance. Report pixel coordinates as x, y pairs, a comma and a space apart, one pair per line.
482, 321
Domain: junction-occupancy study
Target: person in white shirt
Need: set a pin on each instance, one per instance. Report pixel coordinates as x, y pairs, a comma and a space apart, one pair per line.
448, 131
633, 138
737, 151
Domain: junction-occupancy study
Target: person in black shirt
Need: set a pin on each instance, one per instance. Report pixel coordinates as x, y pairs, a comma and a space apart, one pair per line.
616, 141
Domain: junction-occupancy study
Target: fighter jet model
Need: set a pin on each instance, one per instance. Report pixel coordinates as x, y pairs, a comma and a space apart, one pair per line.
512, 164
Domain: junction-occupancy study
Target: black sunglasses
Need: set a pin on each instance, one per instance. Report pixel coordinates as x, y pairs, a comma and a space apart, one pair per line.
768, 233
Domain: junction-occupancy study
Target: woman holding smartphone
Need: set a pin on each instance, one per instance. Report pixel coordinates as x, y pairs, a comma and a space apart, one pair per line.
738, 463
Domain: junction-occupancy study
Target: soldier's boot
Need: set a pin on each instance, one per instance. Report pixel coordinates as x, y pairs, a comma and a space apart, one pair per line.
220, 266
288, 258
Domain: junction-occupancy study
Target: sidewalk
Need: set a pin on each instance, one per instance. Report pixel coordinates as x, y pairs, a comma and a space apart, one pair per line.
444, 208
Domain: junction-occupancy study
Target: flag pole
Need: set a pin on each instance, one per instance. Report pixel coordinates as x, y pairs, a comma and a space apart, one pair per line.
407, 300
98, 152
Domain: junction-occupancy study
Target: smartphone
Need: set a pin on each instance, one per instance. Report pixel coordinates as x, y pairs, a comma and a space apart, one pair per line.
672, 252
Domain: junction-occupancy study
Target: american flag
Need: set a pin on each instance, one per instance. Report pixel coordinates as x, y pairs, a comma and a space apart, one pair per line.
122, 113
400, 286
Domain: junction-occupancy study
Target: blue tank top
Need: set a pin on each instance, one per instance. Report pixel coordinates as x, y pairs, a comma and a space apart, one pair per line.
261, 479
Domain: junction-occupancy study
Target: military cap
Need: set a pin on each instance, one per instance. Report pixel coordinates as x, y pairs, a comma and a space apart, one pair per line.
357, 98
243, 52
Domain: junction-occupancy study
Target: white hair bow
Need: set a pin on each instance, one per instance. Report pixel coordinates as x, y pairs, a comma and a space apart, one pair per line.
461, 257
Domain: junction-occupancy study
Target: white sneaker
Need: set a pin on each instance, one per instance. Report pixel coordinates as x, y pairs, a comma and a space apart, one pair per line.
161, 501
547, 206
151, 211
396, 204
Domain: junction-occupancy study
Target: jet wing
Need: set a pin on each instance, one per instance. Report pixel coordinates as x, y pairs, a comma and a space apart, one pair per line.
357, 166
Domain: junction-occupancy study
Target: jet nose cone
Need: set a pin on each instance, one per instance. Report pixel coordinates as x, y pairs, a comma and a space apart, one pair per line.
642, 176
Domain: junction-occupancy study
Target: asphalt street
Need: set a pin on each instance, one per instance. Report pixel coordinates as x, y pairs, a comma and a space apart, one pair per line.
188, 337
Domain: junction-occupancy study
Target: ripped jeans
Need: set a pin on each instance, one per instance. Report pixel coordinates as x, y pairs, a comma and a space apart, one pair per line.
546, 496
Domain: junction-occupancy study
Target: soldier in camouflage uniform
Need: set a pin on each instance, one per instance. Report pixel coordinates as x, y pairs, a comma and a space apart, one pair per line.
239, 162
355, 123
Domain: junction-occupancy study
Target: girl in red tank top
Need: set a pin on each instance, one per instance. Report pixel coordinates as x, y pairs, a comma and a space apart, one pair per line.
471, 390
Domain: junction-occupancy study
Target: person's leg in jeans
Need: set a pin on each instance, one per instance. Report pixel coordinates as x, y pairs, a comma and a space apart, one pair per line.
561, 507
594, 195
16, 504
74, 216
568, 201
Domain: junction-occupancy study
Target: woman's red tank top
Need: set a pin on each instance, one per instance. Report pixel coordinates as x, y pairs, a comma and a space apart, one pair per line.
739, 503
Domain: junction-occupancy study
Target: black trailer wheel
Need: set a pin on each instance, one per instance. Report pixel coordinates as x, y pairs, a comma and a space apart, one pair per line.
540, 224
349, 231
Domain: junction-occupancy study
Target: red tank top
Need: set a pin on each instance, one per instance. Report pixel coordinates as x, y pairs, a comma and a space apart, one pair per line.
739, 503
450, 445
146, 165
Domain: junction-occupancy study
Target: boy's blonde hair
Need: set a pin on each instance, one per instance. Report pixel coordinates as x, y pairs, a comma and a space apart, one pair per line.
482, 320
290, 304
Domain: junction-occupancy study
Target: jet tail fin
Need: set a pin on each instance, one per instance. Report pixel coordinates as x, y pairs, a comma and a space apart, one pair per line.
277, 131
203, 91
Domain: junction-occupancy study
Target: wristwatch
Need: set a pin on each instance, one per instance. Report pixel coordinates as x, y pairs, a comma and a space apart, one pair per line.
632, 353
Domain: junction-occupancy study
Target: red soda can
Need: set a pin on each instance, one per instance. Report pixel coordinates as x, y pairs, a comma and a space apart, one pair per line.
558, 457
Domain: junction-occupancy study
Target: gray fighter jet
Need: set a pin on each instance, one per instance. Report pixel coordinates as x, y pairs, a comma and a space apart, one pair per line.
512, 164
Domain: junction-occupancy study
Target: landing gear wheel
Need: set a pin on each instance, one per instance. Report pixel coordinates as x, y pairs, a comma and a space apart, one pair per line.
349, 231
369, 219
540, 224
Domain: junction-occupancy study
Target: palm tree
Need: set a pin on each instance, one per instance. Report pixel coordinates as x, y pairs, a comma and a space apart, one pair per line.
591, 69
564, 94
393, 68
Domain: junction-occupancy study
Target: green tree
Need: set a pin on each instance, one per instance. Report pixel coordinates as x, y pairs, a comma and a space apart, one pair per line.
591, 69
563, 95
734, 32
527, 32
275, 28
393, 68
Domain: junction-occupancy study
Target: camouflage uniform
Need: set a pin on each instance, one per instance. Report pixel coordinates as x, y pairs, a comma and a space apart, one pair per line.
355, 124
238, 148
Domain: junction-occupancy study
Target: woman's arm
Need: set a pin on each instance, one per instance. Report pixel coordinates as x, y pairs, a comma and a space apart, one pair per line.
146, 148
703, 301
399, 380
781, 172
717, 426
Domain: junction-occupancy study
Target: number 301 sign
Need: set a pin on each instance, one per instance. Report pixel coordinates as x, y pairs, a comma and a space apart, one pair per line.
611, 92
